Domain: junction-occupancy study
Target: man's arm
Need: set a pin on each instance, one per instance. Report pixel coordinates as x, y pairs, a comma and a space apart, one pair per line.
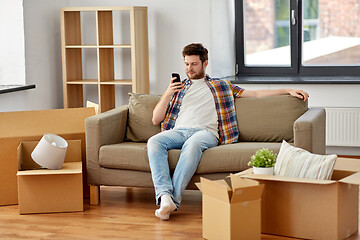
264, 93
160, 109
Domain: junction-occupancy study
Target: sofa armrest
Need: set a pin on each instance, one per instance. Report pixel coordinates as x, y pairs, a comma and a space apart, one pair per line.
103, 129
309, 131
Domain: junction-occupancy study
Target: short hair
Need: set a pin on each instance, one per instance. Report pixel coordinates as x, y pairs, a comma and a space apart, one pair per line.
196, 49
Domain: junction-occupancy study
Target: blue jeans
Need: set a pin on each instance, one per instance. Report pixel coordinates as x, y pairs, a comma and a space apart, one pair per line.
192, 142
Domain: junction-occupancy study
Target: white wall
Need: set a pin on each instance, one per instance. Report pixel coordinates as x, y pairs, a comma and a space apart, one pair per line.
42, 58
172, 25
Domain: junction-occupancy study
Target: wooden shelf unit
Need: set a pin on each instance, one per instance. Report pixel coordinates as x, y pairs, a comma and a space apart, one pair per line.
72, 54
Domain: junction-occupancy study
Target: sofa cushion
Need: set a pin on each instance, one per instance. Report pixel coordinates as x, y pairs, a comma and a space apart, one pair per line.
125, 155
268, 119
223, 158
140, 127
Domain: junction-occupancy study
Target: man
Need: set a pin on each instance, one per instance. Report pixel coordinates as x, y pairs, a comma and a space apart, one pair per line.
195, 114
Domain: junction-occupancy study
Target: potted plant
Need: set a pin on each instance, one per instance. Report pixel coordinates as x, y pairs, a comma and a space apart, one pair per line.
263, 161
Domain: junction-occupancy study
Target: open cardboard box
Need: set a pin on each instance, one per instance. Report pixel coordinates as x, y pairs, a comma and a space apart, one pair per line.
45, 190
311, 209
231, 212
16, 127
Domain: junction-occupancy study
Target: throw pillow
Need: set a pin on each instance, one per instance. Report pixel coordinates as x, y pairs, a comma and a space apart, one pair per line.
268, 119
297, 162
140, 127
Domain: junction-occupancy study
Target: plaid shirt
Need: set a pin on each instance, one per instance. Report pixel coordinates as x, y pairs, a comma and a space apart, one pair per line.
224, 93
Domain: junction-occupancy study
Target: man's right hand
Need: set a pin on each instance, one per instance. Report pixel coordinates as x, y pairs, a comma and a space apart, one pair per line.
173, 87
160, 109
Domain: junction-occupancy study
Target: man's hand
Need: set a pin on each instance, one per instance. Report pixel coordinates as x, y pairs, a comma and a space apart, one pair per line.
299, 94
173, 87
160, 109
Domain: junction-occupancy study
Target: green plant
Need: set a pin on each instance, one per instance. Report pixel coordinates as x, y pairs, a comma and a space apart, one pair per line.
263, 158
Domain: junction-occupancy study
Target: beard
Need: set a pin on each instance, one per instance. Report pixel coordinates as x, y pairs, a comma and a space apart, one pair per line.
196, 75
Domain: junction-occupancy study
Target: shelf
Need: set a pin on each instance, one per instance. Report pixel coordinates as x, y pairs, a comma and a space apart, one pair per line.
91, 9
95, 81
83, 81
116, 46
103, 48
118, 82
82, 46
99, 46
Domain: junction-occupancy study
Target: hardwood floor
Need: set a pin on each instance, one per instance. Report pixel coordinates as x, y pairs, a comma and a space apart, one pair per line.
123, 213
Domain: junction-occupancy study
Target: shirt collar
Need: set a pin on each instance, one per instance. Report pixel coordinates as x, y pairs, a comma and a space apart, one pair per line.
188, 81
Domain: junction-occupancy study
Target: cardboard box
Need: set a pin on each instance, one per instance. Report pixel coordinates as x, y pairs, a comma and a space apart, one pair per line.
231, 213
311, 209
45, 190
16, 127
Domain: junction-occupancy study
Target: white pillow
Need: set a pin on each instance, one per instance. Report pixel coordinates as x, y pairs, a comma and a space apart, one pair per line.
296, 162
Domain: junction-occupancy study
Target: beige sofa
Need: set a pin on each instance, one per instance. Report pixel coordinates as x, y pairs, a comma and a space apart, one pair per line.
116, 140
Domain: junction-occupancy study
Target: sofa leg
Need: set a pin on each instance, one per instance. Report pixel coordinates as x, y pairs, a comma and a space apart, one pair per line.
94, 194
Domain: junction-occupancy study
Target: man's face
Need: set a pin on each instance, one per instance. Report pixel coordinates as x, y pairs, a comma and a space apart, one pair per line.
194, 68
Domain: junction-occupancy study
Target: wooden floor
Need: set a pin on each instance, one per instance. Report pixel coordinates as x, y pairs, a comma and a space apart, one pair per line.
124, 213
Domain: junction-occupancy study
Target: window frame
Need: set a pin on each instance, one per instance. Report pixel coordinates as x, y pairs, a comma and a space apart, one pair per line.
296, 68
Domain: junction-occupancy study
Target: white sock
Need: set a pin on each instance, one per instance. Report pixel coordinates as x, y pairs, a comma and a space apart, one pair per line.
162, 217
166, 207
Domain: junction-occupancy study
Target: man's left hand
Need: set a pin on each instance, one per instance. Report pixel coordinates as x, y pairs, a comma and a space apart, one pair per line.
299, 94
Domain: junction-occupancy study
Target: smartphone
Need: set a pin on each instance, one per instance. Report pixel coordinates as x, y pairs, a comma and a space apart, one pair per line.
177, 77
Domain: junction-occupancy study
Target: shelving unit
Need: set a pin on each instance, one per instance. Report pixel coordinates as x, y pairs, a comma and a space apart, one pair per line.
74, 49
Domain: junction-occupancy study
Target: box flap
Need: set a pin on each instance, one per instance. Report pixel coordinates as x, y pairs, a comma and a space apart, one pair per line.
248, 174
73, 152
68, 168
238, 182
247, 171
352, 179
198, 185
24, 160
347, 164
247, 193
223, 182
20, 155
216, 189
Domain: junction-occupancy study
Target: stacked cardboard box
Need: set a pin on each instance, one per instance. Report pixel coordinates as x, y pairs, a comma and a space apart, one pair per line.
45, 190
16, 127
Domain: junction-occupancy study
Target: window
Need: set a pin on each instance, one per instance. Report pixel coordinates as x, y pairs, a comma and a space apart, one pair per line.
12, 49
297, 37
282, 27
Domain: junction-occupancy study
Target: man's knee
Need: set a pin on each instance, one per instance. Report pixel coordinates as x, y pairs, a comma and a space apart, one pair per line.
156, 141
152, 141
193, 146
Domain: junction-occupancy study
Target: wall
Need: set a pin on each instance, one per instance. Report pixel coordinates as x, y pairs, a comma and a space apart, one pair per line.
194, 21
42, 59
172, 24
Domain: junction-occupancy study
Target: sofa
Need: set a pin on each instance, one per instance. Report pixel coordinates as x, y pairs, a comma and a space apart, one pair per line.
116, 140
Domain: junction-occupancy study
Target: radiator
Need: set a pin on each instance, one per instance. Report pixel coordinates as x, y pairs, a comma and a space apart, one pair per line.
343, 127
